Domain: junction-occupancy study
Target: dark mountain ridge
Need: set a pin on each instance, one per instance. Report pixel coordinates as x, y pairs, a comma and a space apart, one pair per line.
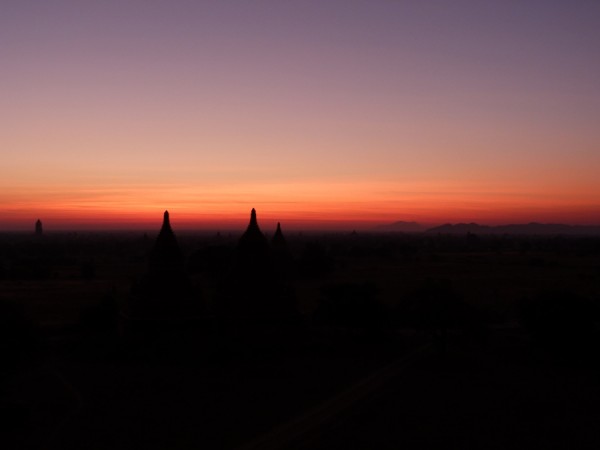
532, 228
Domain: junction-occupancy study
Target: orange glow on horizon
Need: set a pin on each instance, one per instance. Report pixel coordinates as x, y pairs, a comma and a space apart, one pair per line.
383, 112
335, 205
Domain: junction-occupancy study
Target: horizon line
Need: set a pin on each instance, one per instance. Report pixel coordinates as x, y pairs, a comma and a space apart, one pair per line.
342, 226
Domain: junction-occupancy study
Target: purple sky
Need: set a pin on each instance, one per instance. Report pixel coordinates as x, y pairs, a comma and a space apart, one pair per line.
424, 107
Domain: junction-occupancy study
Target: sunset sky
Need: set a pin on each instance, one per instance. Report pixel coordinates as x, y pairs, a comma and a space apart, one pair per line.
320, 114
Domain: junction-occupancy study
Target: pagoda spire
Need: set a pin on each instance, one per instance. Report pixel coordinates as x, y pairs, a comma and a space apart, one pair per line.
166, 250
278, 240
166, 222
253, 221
253, 237
38, 228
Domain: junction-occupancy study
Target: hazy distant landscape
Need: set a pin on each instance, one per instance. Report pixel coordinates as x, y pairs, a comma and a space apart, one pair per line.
365, 302
299, 225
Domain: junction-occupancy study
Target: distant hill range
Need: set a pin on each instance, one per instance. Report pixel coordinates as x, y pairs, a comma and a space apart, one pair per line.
402, 227
521, 229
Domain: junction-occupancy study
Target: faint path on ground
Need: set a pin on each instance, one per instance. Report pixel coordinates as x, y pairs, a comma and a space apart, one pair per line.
283, 436
78, 406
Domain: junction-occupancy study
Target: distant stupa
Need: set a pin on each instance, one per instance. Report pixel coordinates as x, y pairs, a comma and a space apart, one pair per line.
253, 287
253, 247
38, 228
166, 255
165, 290
282, 257
278, 241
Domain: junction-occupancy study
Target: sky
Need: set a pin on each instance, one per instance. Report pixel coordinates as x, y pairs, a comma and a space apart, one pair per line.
320, 114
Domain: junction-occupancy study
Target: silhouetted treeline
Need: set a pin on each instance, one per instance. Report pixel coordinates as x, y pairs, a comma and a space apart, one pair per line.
217, 268
130, 322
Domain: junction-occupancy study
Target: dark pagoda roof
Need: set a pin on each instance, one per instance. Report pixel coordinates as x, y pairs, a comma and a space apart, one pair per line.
165, 290
166, 249
253, 239
278, 240
38, 227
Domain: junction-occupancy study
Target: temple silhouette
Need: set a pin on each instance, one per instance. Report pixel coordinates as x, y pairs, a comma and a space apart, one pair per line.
254, 299
252, 256
278, 241
283, 261
38, 228
253, 288
165, 291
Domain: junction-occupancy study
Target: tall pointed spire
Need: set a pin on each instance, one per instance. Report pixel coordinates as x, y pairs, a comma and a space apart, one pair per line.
38, 228
166, 223
166, 250
281, 255
253, 222
253, 230
166, 231
253, 242
278, 240
165, 289
253, 288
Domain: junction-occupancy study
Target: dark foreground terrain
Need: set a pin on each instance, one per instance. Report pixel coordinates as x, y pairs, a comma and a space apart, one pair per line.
395, 341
